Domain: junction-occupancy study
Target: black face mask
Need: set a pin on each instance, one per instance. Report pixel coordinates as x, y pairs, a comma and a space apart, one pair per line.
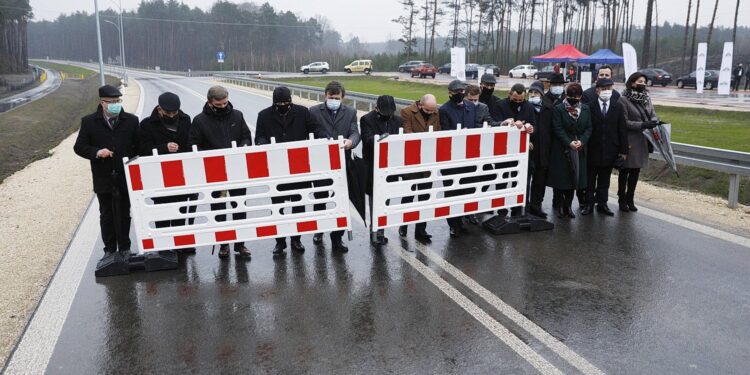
282, 109
424, 114
383, 117
169, 120
487, 92
640, 87
457, 98
221, 111
573, 101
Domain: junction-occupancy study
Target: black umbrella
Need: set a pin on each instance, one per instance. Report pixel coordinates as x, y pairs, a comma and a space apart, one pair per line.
573, 160
356, 175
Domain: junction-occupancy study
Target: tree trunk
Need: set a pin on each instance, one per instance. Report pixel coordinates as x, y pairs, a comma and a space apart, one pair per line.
685, 37
711, 26
734, 31
695, 31
645, 52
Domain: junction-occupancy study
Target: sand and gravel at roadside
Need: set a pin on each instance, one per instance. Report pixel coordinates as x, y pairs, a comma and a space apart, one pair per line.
40, 208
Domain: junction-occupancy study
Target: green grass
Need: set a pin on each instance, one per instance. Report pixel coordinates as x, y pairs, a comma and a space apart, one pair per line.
383, 86
68, 69
711, 128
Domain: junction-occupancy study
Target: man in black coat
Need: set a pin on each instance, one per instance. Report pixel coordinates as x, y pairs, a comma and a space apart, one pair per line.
516, 110
167, 131
589, 95
608, 141
541, 141
487, 86
215, 128
105, 138
737, 74
378, 122
285, 122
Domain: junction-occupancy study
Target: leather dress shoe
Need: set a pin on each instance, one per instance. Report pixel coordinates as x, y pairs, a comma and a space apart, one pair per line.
537, 211
402, 231
604, 209
278, 251
585, 210
632, 207
623, 206
298, 246
422, 235
339, 246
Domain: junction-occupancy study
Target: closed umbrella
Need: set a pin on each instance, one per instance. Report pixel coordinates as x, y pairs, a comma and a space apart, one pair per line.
659, 137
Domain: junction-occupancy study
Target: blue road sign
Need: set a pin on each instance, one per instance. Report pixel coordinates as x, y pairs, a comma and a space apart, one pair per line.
220, 57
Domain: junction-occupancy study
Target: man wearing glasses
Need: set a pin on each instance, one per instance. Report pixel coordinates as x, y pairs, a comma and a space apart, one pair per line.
105, 138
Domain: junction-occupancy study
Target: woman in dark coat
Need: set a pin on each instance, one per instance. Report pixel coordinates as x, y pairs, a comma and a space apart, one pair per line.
639, 115
571, 129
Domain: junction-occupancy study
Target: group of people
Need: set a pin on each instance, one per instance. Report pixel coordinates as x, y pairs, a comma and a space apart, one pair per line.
576, 138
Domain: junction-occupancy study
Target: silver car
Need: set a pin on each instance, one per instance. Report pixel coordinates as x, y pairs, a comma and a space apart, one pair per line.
316, 67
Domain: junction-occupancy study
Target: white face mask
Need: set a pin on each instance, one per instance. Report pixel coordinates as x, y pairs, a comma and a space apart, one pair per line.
556, 90
604, 95
535, 100
333, 104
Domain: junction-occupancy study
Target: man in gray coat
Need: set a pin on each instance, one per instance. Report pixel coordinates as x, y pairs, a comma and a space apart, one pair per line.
335, 119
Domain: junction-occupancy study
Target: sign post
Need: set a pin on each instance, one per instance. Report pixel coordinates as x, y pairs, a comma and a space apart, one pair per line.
220, 59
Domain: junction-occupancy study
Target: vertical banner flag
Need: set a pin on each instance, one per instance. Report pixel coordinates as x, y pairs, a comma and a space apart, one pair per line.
725, 75
585, 80
631, 59
700, 68
458, 63
480, 73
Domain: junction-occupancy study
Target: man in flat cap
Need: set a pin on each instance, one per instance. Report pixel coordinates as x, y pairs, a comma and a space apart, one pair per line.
486, 96
105, 138
215, 128
285, 122
380, 121
167, 131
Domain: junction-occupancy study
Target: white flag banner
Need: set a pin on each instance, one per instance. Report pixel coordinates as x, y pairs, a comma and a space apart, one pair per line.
585, 80
725, 75
700, 68
630, 58
480, 73
458, 63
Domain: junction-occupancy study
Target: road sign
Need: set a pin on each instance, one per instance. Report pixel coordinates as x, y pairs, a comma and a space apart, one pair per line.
220, 57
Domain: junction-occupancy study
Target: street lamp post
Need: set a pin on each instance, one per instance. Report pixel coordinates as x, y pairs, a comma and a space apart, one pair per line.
99, 43
122, 65
121, 29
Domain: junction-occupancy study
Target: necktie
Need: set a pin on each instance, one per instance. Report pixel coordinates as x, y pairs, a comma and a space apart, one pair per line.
111, 122
604, 109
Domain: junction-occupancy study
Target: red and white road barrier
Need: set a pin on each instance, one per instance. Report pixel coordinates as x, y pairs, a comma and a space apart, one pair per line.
244, 179
470, 171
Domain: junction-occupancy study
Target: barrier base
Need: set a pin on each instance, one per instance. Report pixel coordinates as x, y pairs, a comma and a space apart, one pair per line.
499, 225
118, 264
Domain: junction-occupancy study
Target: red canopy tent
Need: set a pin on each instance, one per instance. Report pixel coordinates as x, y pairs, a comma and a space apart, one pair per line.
561, 53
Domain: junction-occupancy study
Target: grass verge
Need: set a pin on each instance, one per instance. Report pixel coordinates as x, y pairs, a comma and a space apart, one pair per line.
28, 133
67, 69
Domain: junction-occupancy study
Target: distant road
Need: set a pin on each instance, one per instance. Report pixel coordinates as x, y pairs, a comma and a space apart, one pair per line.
50, 85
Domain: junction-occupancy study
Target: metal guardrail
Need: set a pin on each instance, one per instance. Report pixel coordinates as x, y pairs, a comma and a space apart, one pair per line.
734, 163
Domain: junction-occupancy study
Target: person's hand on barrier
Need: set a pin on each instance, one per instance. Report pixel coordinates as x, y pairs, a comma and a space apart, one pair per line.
104, 153
518, 124
528, 128
507, 122
347, 144
172, 147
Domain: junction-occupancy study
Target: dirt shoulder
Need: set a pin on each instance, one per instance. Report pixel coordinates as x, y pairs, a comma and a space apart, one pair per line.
40, 208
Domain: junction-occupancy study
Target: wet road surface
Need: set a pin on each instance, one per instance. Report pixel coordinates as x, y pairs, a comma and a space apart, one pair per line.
629, 294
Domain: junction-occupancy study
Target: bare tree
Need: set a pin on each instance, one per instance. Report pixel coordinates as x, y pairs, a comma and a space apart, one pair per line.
645, 52
734, 31
407, 24
685, 37
711, 25
695, 32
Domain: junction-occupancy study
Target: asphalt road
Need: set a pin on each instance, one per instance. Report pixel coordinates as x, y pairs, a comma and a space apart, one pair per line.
638, 293
51, 84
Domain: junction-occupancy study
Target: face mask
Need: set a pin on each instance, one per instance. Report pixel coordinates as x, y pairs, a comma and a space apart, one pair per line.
573, 101
333, 104
221, 111
487, 92
535, 100
556, 90
640, 87
282, 108
114, 108
605, 95
457, 98
169, 120
383, 117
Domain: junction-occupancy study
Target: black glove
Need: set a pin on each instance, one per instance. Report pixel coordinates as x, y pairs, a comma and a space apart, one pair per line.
649, 124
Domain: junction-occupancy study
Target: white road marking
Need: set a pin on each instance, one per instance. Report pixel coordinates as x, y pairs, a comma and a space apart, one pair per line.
37, 344
475, 311
700, 228
537, 332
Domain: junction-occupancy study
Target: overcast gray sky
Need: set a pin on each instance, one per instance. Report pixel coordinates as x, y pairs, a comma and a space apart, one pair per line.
370, 20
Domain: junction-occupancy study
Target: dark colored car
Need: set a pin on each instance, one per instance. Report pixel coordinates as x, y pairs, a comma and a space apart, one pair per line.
407, 66
495, 69
445, 69
472, 71
423, 70
710, 81
656, 76
545, 73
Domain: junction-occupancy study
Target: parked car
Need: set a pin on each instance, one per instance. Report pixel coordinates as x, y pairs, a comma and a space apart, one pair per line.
522, 71
495, 69
545, 72
710, 81
472, 71
656, 76
320, 66
423, 70
359, 66
445, 69
407, 66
